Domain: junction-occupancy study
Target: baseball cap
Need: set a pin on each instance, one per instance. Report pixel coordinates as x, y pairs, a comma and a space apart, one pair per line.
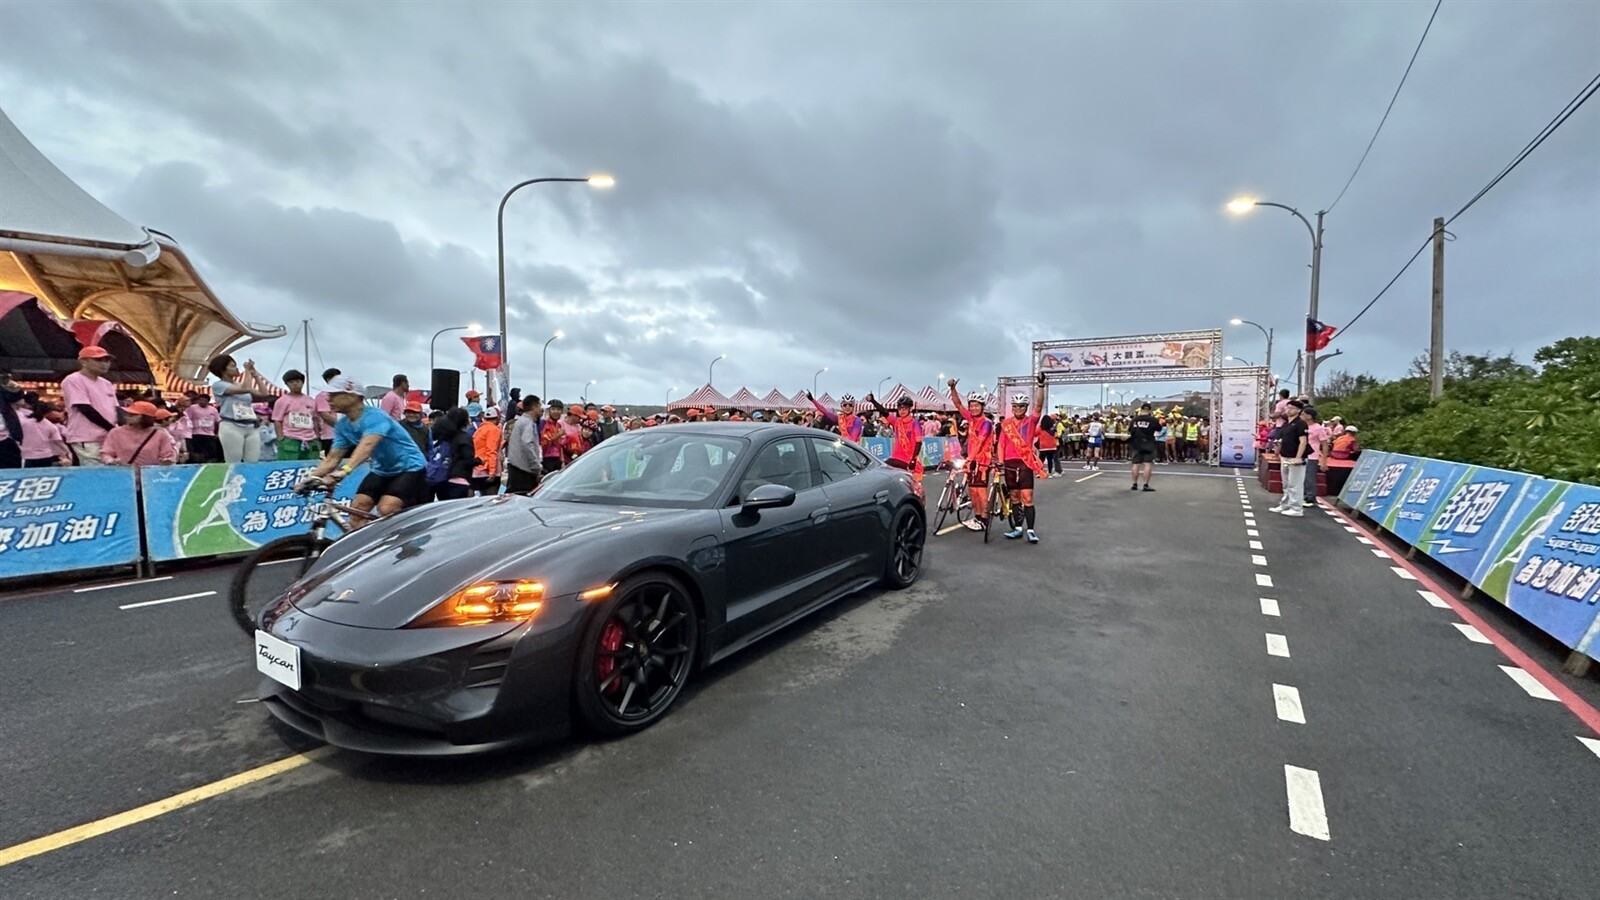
94, 351
146, 408
414, 406
491, 413
346, 385
1144, 406
473, 395
608, 408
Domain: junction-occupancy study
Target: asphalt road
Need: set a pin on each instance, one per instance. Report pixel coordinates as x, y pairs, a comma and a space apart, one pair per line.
1101, 716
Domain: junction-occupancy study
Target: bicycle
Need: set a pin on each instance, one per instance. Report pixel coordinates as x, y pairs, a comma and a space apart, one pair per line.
955, 498
259, 582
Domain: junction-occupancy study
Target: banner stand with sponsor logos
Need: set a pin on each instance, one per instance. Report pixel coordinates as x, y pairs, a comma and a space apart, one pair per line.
61, 520
218, 508
1531, 543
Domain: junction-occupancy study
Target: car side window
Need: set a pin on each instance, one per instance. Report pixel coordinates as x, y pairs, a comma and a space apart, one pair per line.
782, 462
837, 460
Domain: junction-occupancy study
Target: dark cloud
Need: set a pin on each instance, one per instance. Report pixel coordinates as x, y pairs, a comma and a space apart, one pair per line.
878, 188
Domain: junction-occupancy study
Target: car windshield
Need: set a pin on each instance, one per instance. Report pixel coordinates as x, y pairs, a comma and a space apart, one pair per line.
662, 467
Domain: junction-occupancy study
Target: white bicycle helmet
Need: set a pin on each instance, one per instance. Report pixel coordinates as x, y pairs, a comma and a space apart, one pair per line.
1020, 400
847, 398
977, 397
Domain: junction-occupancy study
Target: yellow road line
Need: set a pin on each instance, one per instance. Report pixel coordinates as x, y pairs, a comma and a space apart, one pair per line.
948, 528
109, 824
1087, 477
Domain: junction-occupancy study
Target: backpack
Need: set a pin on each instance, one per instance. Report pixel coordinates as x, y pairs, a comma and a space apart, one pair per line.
440, 459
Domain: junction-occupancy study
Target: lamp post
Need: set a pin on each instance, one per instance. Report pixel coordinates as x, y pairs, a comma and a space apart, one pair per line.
1265, 332
471, 326
583, 395
1240, 359
713, 367
1245, 204
544, 363
665, 404
885, 379
814, 380
598, 181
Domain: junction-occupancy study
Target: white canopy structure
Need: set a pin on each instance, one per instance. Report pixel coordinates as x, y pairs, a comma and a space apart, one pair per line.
84, 261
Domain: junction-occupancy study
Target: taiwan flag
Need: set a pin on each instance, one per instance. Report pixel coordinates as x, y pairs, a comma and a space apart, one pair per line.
487, 350
1317, 335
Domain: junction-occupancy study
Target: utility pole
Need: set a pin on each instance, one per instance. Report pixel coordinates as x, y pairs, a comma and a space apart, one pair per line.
1436, 343
1310, 369
305, 325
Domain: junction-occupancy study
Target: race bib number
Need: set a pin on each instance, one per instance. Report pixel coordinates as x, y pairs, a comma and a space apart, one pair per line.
299, 419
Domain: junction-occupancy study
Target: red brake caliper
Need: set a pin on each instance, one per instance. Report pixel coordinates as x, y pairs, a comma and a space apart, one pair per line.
610, 642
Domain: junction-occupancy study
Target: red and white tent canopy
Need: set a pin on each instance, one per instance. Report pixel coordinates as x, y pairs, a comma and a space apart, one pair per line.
799, 401
894, 396
928, 398
744, 399
706, 397
776, 400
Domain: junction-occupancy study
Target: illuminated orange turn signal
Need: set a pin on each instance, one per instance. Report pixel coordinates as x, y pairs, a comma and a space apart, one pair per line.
484, 603
598, 593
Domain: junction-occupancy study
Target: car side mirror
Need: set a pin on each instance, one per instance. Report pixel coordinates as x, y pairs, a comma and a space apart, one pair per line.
768, 496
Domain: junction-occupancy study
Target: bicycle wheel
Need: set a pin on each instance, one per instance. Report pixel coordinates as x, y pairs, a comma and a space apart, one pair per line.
997, 501
946, 501
267, 573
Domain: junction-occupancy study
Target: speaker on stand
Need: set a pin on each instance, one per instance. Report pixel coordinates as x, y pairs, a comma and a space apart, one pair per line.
446, 389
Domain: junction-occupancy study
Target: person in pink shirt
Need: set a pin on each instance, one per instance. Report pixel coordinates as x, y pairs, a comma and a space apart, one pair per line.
327, 416
394, 403
41, 441
294, 418
140, 442
1318, 437
91, 401
180, 428
204, 447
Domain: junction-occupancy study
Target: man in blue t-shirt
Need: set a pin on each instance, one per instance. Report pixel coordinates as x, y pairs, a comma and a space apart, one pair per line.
365, 434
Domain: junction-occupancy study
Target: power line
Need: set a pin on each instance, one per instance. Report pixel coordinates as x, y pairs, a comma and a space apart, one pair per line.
1390, 108
1560, 119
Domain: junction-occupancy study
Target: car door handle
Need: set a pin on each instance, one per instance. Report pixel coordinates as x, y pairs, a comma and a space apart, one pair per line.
819, 515
881, 496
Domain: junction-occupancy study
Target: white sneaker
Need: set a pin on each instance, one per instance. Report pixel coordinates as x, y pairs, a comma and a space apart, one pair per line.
1087, 467
1290, 513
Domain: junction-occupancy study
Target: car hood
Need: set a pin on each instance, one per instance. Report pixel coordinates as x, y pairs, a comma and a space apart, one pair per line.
386, 580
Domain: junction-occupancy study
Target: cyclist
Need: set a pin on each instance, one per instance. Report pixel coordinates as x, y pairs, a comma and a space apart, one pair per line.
906, 433
366, 434
980, 445
849, 424
1018, 459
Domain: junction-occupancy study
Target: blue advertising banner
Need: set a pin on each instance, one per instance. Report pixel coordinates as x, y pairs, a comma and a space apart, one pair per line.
1388, 485
1547, 567
210, 509
1431, 483
57, 520
1470, 524
878, 447
1361, 477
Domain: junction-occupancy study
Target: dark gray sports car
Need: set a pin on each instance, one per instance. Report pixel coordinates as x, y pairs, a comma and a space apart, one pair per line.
478, 624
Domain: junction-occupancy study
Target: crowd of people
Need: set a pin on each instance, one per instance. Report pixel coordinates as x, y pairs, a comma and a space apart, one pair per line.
1306, 446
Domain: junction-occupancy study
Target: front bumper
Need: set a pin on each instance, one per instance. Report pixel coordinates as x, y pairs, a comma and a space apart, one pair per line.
425, 692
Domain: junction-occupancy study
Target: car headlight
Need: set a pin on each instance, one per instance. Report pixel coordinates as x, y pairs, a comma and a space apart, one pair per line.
484, 603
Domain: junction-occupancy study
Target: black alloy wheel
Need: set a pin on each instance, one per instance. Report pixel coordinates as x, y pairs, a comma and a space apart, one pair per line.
907, 537
637, 652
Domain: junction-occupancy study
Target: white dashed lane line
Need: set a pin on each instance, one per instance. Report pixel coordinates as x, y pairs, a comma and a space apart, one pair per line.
1278, 645
1591, 743
1528, 683
1269, 607
1307, 815
1354, 531
1434, 599
1255, 545
1287, 699
117, 584
1257, 559
1252, 532
168, 600
1362, 539
1263, 579
1403, 573
1471, 634
1379, 553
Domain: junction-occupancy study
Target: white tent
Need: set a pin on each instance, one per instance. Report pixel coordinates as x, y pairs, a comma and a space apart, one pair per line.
84, 261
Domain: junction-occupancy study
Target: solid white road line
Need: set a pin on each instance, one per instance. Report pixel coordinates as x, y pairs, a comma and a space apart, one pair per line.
1255, 545
1269, 606
1366, 541
1307, 815
1591, 743
102, 587
1087, 477
1287, 700
1252, 532
1258, 559
1379, 553
1528, 683
167, 600
1434, 599
1471, 634
1278, 645
1403, 573
1263, 580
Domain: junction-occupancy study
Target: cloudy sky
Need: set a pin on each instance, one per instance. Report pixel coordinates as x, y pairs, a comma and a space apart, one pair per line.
885, 189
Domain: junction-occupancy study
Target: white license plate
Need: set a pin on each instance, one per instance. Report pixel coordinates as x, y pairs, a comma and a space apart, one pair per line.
278, 659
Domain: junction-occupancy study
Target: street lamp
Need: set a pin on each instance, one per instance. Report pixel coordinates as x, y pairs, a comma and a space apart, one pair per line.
1240, 205
814, 379
884, 379
1240, 359
713, 367
584, 394
668, 401
544, 363
1265, 332
596, 181
470, 326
